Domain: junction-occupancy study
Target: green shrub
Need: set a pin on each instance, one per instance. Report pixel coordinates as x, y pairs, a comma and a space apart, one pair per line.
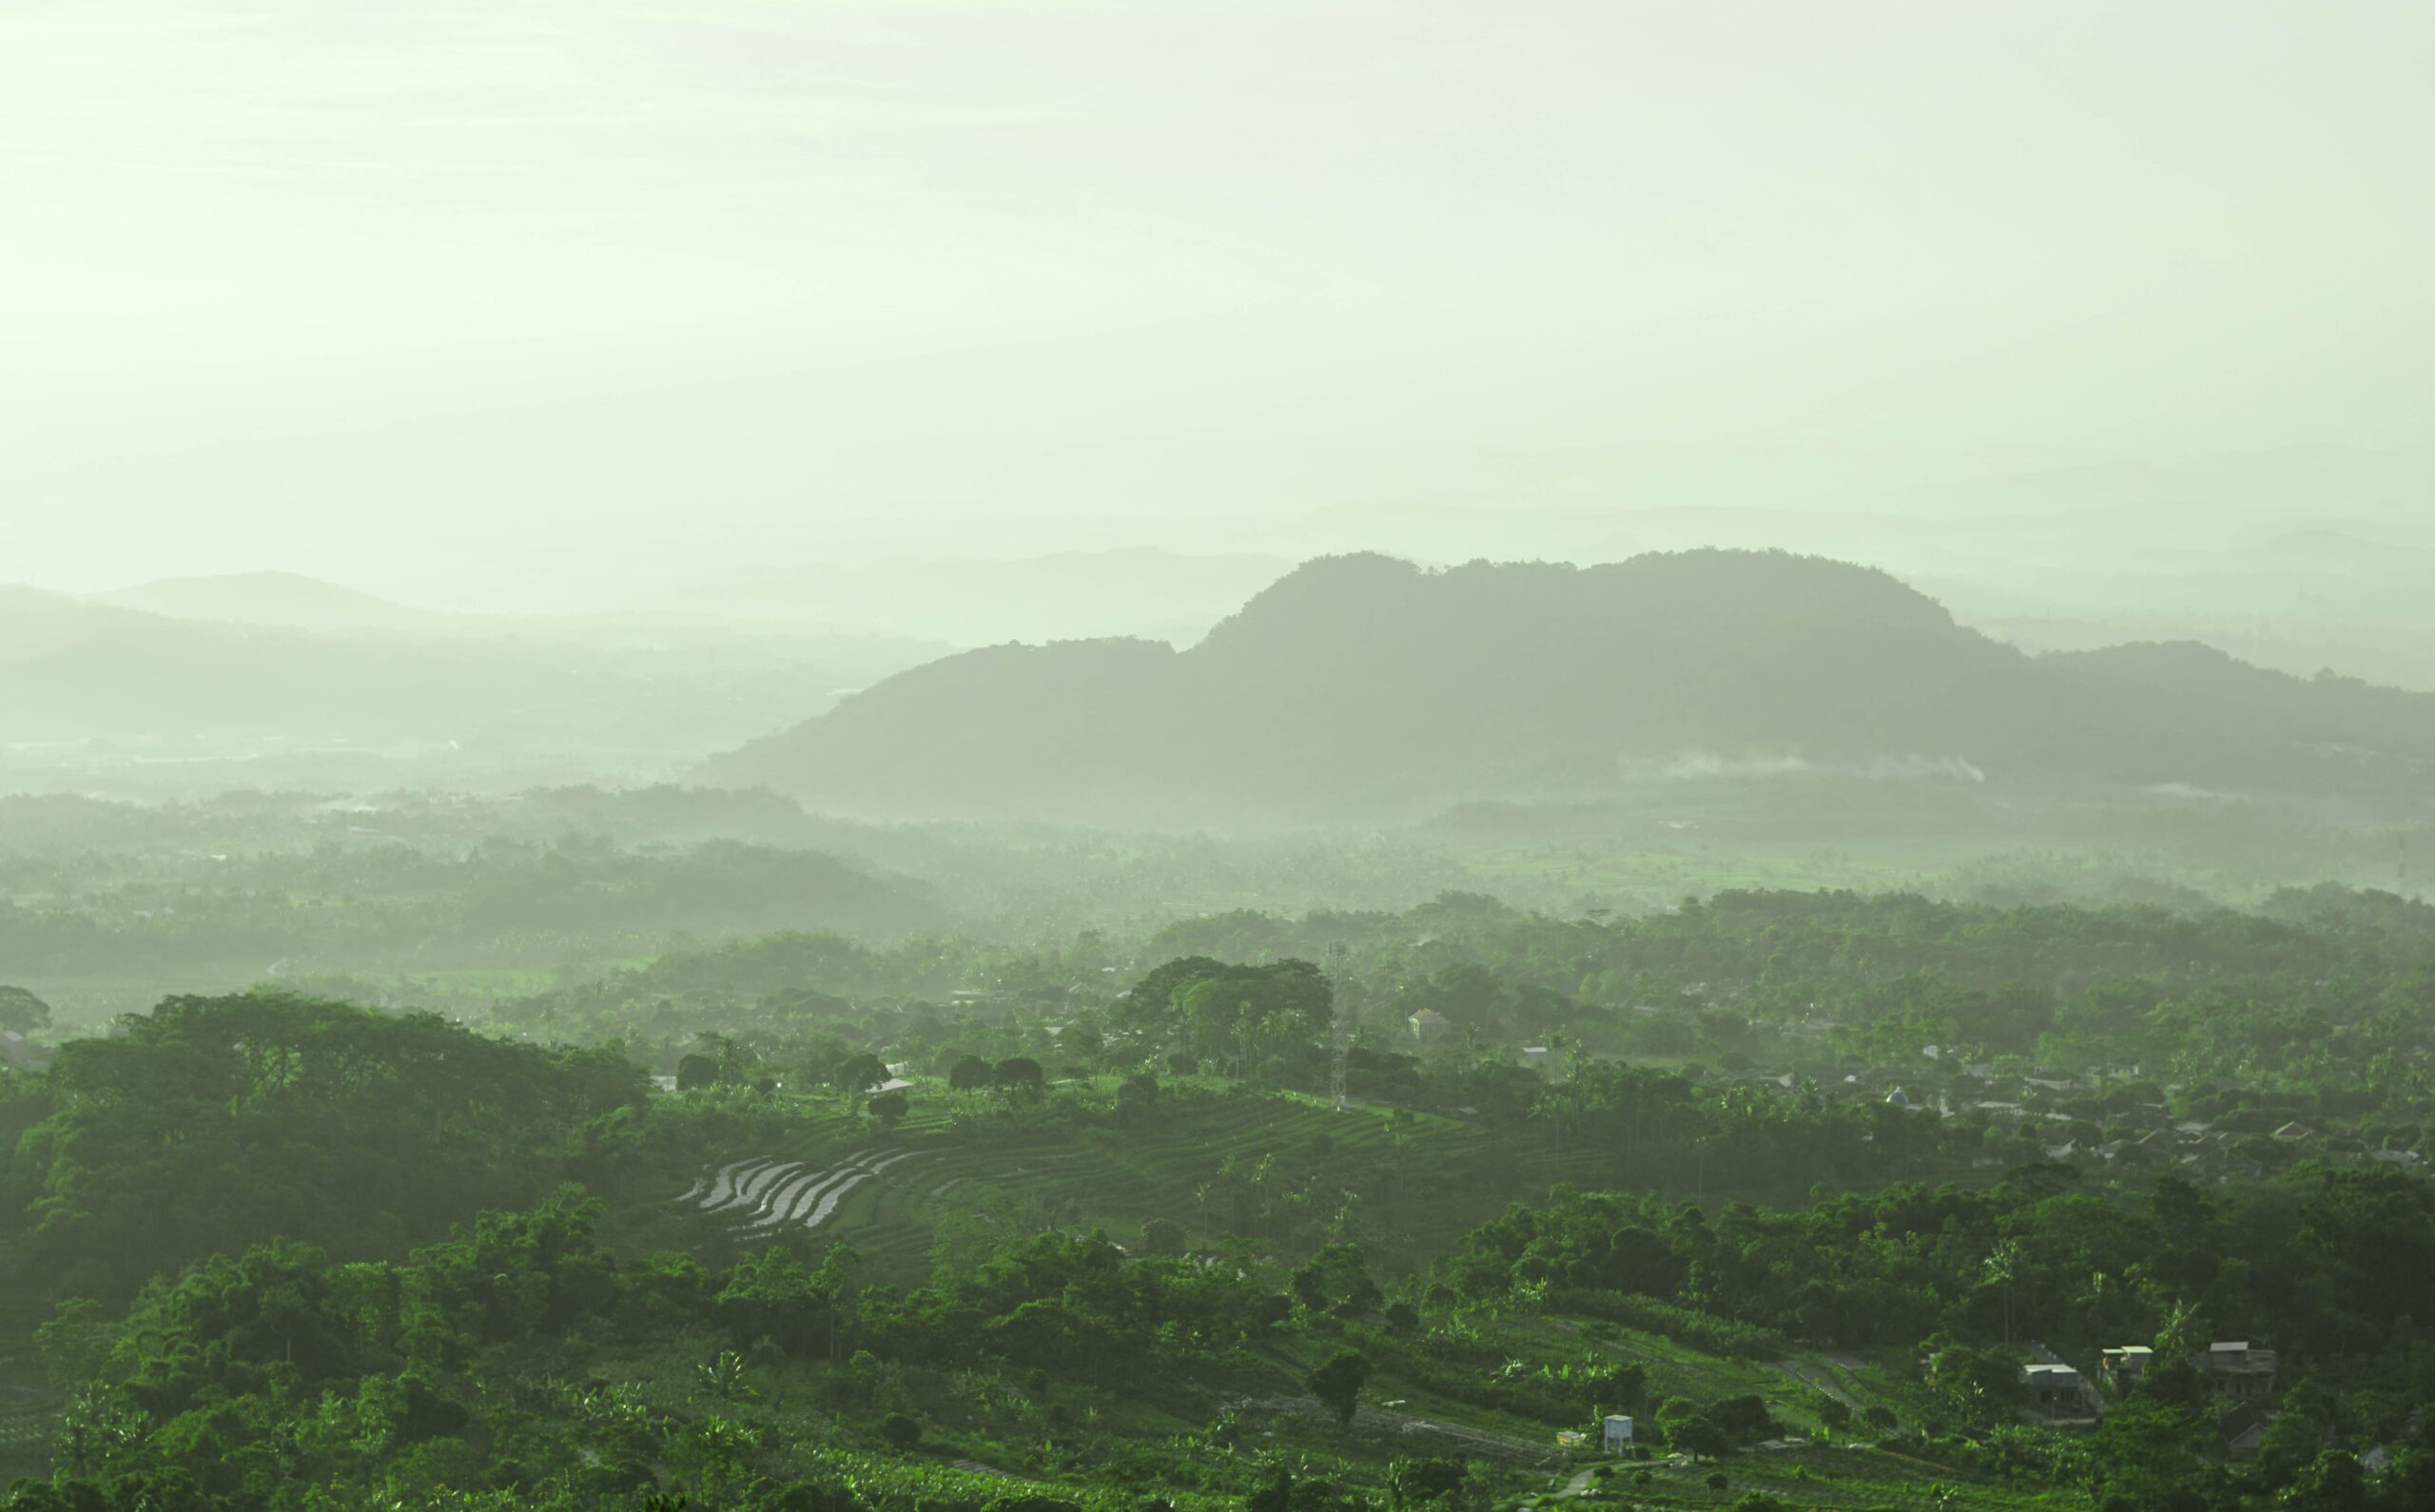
900, 1431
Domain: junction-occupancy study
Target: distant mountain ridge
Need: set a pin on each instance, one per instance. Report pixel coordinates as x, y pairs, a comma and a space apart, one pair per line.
1363, 680
116, 685
290, 600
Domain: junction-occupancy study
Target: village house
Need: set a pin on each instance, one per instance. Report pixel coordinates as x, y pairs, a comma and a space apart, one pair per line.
2242, 1429
2125, 1367
1428, 1024
2058, 1391
2237, 1371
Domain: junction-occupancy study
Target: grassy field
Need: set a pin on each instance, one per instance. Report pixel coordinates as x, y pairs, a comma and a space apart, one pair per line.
1285, 1172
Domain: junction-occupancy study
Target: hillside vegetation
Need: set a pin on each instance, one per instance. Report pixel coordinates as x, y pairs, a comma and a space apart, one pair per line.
1366, 682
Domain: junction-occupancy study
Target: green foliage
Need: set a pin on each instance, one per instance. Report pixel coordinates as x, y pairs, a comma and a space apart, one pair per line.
1251, 1018
1699, 1435
22, 1012
1337, 1384
901, 1431
1335, 1280
1981, 1384
857, 1073
293, 1165
1420, 1482
1019, 1076
1137, 1093
218, 1119
1911, 1262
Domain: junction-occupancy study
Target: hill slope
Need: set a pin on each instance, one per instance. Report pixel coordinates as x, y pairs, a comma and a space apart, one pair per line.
1363, 680
287, 599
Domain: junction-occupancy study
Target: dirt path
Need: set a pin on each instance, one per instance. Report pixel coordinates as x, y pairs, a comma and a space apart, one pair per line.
1819, 1379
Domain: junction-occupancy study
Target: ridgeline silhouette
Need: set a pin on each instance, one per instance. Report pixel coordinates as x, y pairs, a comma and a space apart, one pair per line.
1363, 681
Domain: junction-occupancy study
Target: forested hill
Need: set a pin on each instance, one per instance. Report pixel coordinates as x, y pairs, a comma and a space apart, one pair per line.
1364, 679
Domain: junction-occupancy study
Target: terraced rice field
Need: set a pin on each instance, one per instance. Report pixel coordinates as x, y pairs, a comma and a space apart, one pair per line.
29, 1409
763, 1196
27, 1423
1422, 1181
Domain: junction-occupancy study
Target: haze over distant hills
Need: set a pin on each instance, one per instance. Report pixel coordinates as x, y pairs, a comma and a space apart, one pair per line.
289, 599
1363, 680
959, 600
231, 694
2296, 559
980, 600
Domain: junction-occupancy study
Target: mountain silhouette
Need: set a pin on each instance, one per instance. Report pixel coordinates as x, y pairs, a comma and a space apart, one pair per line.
1363, 682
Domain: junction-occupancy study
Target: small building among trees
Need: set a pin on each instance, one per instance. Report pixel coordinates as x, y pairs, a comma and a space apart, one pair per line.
2125, 1367
2058, 1391
2238, 1372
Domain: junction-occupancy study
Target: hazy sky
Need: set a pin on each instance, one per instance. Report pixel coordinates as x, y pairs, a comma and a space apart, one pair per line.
385, 288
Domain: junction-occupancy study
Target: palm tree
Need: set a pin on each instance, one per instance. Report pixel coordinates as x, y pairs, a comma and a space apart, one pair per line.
2001, 1269
2181, 1332
2101, 1290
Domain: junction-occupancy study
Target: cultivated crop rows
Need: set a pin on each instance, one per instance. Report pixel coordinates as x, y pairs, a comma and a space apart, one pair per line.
768, 1194
1065, 1181
26, 1426
1154, 1172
